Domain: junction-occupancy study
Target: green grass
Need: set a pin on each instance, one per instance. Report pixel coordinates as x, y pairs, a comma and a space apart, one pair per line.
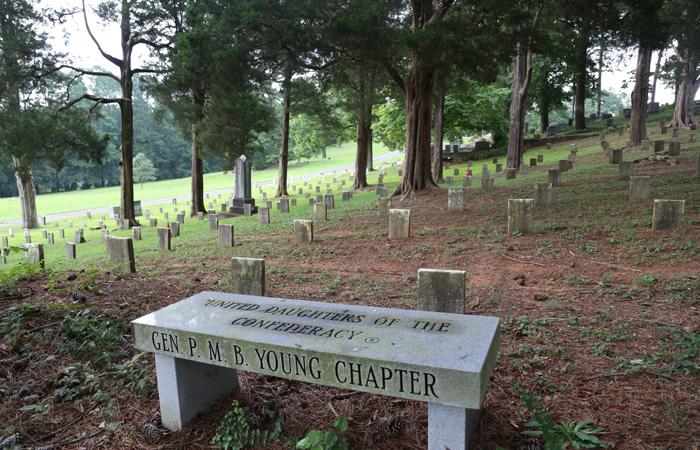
195, 237
105, 197
569, 200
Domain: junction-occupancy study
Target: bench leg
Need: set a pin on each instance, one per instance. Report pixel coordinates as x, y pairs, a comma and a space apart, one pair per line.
187, 388
450, 427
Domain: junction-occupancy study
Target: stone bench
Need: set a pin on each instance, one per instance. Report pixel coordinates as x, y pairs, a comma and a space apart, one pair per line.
439, 358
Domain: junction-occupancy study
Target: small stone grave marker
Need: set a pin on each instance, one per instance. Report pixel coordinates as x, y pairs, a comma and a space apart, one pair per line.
329, 199
399, 223
382, 191
543, 195
659, 146
640, 188
164, 239
674, 148
304, 231
121, 252
383, 206
521, 215
455, 199
320, 212
213, 222
264, 213
225, 235
248, 276
667, 215
70, 250
554, 177
35, 254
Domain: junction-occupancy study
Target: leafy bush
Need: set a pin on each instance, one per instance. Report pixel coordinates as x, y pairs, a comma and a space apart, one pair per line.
560, 435
100, 336
234, 432
9, 279
11, 327
326, 440
134, 375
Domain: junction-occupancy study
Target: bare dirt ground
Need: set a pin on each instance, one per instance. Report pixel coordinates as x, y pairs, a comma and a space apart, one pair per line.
600, 318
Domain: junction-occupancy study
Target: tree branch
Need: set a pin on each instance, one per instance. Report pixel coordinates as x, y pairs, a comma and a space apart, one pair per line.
146, 70
114, 60
92, 98
440, 12
394, 74
89, 72
150, 43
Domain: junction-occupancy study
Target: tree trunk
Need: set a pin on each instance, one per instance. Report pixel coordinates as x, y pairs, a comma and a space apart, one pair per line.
657, 70
360, 180
284, 147
543, 101
638, 130
127, 154
522, 74
581, 60
418, 104
197, 187
439, 122
23, 167
418, 92
27, 195
368, 126
544, 115
600, 80
126, 106
370, 150
683, 114
197, 201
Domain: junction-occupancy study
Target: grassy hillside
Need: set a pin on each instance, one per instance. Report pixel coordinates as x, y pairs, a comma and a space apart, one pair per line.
105, 197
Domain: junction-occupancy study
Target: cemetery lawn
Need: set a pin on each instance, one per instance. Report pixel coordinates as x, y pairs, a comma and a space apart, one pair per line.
105, 197
600, 315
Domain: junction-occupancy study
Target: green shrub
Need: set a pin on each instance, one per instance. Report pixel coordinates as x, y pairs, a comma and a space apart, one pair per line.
326, 440
234, 432
559, 435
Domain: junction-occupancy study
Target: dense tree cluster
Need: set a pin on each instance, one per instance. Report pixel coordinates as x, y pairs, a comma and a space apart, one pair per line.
285, 79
